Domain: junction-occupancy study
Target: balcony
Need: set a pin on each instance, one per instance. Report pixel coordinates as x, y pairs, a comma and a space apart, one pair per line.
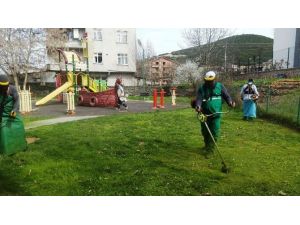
61, 67
74, 44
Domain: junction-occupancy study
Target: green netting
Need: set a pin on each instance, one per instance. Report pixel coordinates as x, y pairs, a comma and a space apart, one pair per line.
12, 134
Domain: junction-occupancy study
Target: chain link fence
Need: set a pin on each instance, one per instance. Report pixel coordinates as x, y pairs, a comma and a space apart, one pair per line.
279, 99
284, 108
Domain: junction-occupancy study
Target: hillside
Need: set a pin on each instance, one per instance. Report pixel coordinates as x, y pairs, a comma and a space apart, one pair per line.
239, 49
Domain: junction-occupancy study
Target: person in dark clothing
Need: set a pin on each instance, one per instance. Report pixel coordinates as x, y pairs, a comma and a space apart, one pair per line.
12, 132
7, 90
209, 102
120, 94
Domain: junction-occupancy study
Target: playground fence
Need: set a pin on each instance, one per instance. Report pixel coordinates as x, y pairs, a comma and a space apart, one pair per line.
70, 102
25, 101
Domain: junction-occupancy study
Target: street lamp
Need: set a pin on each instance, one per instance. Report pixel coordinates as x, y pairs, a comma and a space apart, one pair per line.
143, 72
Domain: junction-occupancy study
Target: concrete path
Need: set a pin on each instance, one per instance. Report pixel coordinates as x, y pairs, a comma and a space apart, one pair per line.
58, 110
57, 120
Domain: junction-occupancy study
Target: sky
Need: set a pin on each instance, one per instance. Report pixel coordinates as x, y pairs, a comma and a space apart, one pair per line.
166, 40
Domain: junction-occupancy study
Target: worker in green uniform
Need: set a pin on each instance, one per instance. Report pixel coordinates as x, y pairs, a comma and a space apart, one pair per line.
12, 133
209, 102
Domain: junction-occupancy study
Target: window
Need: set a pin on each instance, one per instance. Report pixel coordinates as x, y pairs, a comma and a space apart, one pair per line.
122, 37
70, 35
122, 59
76, 33
97, 34
98, 57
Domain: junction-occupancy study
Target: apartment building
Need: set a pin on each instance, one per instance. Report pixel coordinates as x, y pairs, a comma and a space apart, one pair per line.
286, 48
111, 53
162, 70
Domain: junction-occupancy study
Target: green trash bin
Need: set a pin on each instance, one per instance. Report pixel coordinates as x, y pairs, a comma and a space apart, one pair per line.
12, 135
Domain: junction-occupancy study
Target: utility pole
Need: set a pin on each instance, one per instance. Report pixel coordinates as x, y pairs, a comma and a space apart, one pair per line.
225, 57
143, 73
288, 59
143, 65
248, 64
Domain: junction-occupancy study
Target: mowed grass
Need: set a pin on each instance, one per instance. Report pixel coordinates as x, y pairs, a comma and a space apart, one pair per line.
154, 154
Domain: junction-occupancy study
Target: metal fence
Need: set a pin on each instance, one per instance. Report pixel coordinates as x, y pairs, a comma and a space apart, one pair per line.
287, 57
285, 108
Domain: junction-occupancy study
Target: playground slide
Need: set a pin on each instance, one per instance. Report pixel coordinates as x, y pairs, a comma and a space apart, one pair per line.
54, 93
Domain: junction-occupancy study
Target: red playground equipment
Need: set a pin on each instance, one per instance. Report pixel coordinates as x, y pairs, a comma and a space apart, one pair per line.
106, 98
162, 102
88, 91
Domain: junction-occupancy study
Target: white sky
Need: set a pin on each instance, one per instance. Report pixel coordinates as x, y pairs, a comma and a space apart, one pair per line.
166, 40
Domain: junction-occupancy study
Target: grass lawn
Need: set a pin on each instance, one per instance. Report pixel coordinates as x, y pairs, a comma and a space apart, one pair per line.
154, 154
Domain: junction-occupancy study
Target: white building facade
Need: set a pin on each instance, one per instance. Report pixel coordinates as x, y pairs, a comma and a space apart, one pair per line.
286, 47
111, 52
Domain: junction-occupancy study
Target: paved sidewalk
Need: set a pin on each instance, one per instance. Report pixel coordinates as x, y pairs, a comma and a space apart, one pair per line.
57, 120
58, 110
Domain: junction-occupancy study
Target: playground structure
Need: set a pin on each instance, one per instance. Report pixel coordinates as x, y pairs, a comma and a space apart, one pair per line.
173, 90
162, 96
70, 103
162, 102
25, 101
87, 91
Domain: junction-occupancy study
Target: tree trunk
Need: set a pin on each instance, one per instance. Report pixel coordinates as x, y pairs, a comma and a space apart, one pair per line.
16, 80
25, 79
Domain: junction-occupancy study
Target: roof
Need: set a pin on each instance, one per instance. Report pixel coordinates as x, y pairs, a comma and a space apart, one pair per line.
163, 57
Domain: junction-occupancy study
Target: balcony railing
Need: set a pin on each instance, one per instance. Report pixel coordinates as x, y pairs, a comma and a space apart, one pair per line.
74, 44
62, 67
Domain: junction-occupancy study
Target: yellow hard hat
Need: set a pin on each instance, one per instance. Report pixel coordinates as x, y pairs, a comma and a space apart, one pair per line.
210, 75
4, 80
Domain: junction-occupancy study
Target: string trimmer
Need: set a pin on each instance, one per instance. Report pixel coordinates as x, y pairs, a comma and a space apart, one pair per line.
203, 118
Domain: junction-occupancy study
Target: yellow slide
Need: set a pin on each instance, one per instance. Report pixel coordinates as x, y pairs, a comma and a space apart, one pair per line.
54, 93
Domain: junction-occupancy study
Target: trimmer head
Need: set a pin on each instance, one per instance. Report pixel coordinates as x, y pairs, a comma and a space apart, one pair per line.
224, 168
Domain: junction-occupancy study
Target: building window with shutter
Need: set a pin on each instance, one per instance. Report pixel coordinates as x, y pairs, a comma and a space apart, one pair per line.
98, 57
122, 59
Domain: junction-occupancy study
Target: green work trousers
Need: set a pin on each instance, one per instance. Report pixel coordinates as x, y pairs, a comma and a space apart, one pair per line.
214, 124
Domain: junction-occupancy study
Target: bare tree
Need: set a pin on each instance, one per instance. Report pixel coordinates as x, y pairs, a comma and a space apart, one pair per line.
24, 50
150, 51
55, 38
188, 73
145, 51
10, 47
204, 39
33, 52
144, 54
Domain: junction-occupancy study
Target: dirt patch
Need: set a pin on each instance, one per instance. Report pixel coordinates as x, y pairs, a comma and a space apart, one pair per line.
31, 140
279, 87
